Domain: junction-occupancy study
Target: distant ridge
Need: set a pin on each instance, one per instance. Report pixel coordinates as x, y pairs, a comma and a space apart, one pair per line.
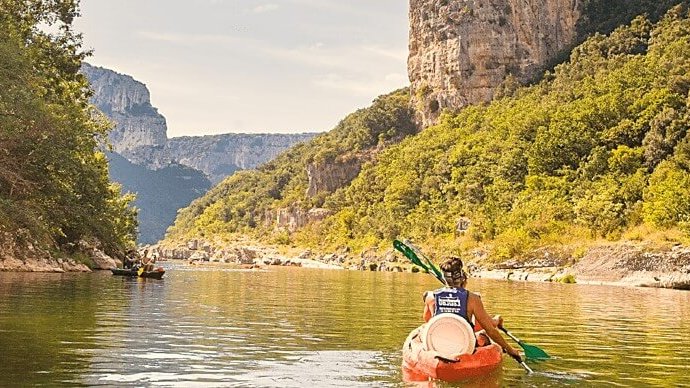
141, 132
160, 193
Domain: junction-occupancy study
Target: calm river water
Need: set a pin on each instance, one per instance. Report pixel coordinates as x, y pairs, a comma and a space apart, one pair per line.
296, 327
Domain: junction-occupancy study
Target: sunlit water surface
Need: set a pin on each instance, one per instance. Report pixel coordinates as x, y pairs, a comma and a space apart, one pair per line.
296, 327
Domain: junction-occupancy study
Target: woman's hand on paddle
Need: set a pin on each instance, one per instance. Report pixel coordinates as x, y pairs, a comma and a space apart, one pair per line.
513, 353
498, 321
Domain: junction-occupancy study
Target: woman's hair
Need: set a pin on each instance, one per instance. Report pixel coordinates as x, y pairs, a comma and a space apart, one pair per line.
453, 270
452, 264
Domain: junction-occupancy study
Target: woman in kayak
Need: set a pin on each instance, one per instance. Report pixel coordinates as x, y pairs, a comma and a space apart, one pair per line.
455, 299
147, 261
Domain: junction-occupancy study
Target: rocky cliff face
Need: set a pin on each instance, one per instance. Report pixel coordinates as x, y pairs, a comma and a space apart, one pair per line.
221, 155
140, 134
292, 219
461, 50
128, 103
167, 174
328, 177
216, 155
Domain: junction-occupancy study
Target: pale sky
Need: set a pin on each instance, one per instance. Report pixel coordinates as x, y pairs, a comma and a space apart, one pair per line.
271, 66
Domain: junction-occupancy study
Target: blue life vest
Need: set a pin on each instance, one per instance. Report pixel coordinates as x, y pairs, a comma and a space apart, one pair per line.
452, 300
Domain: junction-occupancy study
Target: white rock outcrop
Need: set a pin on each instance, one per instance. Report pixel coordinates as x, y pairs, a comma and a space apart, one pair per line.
461, 50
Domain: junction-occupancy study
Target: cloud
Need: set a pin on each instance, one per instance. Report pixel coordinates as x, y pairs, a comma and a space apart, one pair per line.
320, 55
360, 86
355, 70
338, 6
231, 58
265, 8
189, 38
396, 55
397, 78
315, 55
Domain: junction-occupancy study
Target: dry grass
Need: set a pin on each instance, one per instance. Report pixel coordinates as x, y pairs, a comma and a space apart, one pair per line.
655, 237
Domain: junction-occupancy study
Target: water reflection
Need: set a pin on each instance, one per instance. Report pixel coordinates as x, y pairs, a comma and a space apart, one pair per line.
42, 318
298, 327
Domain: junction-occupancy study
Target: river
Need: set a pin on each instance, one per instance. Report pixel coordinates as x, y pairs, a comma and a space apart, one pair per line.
296, 327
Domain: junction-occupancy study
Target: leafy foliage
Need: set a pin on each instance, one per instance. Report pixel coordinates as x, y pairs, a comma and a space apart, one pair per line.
584, 149
250, 200
603, 16
598, 147
53, 179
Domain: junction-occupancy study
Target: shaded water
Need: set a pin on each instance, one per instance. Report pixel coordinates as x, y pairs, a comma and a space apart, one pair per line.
307, 327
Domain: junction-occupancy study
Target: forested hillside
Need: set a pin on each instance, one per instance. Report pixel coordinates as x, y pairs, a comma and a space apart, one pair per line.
604, 16
597, 149
54, 186
249, 200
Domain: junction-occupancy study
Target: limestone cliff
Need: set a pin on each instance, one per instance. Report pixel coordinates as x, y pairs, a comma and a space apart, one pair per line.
460, 51
128, 103
140, 134
294, 218
326, 177
167, 174
221, 155
217, 156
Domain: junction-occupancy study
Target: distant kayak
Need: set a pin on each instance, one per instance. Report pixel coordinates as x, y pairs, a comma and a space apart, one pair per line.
155, 274
427, 349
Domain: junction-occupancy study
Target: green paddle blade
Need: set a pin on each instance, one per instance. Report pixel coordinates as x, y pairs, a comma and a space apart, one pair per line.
431, 266
437, 272
412, 253
409, 254
533, 352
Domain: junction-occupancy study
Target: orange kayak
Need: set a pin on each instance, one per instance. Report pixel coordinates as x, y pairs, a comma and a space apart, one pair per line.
421, 365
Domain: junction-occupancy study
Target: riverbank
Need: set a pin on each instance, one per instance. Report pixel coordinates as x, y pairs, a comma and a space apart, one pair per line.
43, 264
31, 258
623, 264
47, 263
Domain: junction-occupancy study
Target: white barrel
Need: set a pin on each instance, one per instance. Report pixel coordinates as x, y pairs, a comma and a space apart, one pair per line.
449, 335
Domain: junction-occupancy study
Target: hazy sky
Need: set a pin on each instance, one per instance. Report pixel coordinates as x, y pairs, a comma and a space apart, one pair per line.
219, 66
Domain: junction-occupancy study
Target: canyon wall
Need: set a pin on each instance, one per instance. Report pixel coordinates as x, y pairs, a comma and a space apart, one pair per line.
460, 51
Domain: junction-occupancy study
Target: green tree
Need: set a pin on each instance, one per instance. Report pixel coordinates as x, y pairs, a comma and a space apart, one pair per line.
667, 199
53, 179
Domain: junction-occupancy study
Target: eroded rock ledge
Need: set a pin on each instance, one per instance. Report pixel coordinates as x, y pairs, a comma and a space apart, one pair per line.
28, 257
624, 264
41, 265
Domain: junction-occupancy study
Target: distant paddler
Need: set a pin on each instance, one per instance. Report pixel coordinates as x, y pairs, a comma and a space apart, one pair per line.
147, 261
131, 259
